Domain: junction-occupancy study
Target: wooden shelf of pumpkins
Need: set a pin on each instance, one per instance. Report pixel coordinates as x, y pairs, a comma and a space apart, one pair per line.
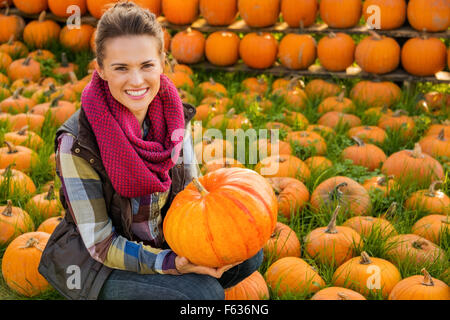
240, 26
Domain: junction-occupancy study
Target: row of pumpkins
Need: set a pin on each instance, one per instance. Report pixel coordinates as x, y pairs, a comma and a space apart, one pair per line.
420, 56
289, 182
422, 15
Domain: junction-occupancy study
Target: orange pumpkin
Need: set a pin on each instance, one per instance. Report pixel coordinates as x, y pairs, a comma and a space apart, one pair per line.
399, 121
424, 56
377, 54
321, 89
336, 51
337, 293
24, 137
153, 6
50, 224
14, 48
227, 197
358, 274
308, 140
299, 13
217, 13
283, 166
97, 7
11, 26
16, 181
375, 93
366, 155
335, 119
292, 195
216, 164
431, 201
339, 103
341, 14
46, 204
59, 7
258, 50
413, 166
368, 134
20, 264
31, 7
432, 227
318, 164
297, 51
40, 33
420, 288
188, 46
382, 183
346, 192
77, 39
24, 68
259, 13
392, 14
13, 222
211, 148
431, 16
222, 48
23, 157
437, 145
332, 245
293, 276
282, 243
180, 12
33, 121
16, 103
212, 88
254, 287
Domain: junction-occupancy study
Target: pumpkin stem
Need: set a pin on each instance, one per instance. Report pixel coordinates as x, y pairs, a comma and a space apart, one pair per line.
375, 35
341, 96
200, 187
432, 189
427, 279
8, 170
418, 244
32, 242
23, 131
331, 228
342, 296
8, 210
5, 3
281, 159
365, 259
42, 16
390, 211
17, 92
10, 40
55, 101
336, 193
231, 113
26, 61
51, 193
400, 112
73, 77
417, 152
441, 135
358, 141
11, 148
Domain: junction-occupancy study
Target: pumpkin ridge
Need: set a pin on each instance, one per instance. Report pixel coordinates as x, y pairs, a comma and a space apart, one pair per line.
247, 212
210, 235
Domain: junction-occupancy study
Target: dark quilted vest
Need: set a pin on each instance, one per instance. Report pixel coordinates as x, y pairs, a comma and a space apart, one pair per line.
65, 255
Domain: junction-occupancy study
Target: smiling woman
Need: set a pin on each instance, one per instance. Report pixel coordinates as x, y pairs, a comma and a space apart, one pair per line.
116, 161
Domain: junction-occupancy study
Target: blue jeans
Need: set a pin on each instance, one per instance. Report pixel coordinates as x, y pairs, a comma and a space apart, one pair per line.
125, 285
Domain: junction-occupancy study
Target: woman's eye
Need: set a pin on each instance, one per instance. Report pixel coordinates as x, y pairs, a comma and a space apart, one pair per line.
147, 66
121, 68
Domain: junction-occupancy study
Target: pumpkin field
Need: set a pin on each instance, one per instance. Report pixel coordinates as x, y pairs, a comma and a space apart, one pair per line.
360, 196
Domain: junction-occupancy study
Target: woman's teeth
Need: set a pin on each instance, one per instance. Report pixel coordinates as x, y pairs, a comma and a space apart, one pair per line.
135, 93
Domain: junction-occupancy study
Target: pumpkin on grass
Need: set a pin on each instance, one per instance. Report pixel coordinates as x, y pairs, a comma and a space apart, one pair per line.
413, 249
420, 288
14, 48
13, 222
25, 68
46, 204
368, 134
413, 166
292, 195
318, 164
77, 39
282, 243
431, 201
337, 293
336, 119
308, 140
40, 33
254, 287
221, 218
339, 103
284, 165
332, 245
20, 264
321, 89
60, 110
23, 157
367, 275
50, 224
11, 26
25, 137
436, 145
376, 93
33, 121
366, 155
382, 183
16, 181
432, 227
211, 148
216, 164
31, 7
346, 192
16, 103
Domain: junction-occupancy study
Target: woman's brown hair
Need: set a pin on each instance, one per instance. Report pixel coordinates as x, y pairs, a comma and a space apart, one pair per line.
124, 19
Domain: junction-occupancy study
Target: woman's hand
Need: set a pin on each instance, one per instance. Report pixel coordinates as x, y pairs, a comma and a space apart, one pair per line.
183, 265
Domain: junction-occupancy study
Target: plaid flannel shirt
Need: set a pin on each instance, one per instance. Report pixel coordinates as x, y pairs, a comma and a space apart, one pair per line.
83, 191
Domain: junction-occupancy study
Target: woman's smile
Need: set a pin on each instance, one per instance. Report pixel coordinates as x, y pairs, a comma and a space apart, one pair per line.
137, 94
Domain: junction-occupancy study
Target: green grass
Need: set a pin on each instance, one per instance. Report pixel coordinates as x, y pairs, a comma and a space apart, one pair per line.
301, 222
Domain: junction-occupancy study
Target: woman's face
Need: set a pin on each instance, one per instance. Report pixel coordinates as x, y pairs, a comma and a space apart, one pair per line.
132, 66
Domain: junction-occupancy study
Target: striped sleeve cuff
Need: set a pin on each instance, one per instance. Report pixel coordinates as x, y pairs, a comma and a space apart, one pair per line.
165, 262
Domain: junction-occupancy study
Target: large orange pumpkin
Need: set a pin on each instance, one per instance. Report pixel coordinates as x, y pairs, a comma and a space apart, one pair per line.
293, 276
431, 16
11, 26
259, 13
392, 13
376, 93
222, 48
420, 288
13, 222
97, 7
20, 264
254, 287
218, 13
40, 33
188, 46
367, 275
15, 181
346, 192
77, 39
59, 7
222, 218
282, 243
180, 12
366, 155
283, 166
432, 227
424, 56
258, 50
299, 13
31, 7
336, 51
291, 193
341, 13
430, 201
